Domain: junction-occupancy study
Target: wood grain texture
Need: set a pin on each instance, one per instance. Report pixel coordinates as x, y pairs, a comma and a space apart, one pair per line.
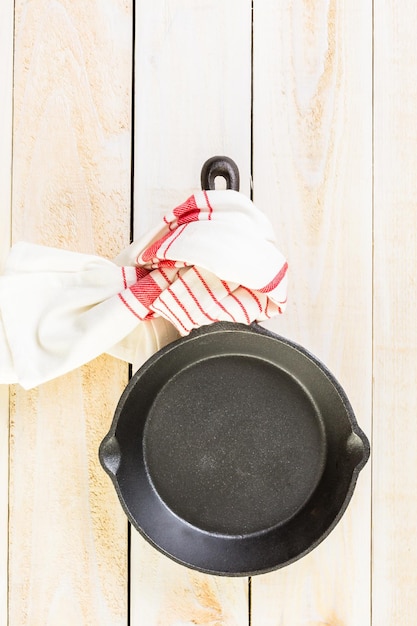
312, 159
6, 104
167, 594
192, 98
312, 175
4, 500
192, 101
71, 189
395, 329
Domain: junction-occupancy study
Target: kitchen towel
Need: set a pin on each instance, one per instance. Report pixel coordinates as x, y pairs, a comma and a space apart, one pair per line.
213, 258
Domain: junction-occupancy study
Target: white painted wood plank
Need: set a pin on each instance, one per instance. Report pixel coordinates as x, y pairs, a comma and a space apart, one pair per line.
6, 100
71, 189
193, 85
4, 500
312, 174
192, 98
395, 329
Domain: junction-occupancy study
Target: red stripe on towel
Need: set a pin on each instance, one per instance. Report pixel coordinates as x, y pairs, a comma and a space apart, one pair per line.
187, 212
194, 297
181, 305
146, 291
210, 208
141, 272
236, 299
254, 296
275, 281
181, 230
150, 252
172, 314
129, 307
124, 278
212, 294
165, 275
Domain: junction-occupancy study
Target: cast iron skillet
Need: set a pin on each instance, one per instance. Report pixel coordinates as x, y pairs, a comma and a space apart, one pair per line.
234, 451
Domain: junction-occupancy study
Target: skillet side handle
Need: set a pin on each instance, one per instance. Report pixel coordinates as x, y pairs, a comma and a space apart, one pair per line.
110, 455
220, 166
358, 449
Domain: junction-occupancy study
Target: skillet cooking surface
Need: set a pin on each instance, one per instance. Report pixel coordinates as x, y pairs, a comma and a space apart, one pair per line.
233, 450
240, 448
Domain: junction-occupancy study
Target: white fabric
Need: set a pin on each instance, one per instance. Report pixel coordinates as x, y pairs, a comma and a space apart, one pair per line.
212, 258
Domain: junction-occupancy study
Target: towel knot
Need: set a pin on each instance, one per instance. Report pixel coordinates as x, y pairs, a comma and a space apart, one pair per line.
213, 258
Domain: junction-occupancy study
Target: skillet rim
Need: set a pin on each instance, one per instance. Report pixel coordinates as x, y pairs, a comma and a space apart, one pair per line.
110, 459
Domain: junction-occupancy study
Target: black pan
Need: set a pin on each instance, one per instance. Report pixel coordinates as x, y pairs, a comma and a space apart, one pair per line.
234, 451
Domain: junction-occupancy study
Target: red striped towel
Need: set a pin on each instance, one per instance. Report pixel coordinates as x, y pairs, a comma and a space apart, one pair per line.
212, 259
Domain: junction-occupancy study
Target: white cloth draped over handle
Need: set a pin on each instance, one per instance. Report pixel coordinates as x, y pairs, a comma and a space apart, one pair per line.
213, 258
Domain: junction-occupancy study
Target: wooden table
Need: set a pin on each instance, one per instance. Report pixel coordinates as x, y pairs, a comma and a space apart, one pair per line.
108, 112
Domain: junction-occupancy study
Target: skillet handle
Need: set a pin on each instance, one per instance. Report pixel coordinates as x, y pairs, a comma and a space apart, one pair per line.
220, 166
110, 455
